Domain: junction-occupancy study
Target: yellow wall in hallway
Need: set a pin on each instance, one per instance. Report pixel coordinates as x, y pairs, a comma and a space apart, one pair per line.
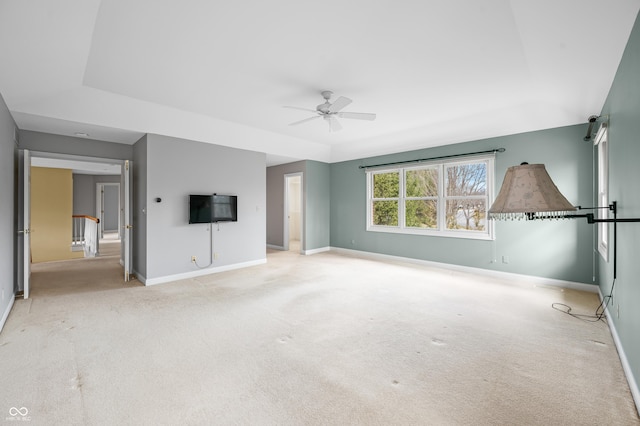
51, 210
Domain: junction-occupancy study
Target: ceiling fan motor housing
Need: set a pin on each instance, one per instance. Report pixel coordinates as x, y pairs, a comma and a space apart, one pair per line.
324, 108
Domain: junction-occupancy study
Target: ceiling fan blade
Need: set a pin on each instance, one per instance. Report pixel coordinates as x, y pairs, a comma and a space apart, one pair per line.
357, 115
334, 124
301, 109
340, 103
295, 123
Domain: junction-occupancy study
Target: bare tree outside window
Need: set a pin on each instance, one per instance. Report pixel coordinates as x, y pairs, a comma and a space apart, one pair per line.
466, 189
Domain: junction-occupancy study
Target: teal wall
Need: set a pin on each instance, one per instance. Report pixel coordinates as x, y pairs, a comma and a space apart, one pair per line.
550, 249
317, 198
623, 108
8, 224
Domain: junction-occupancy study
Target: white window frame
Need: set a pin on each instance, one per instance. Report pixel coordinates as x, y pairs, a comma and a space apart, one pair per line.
440, 230
601, 141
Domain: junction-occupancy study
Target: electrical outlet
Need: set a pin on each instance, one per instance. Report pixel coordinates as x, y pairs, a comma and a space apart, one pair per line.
618, 310
193, 259
505, 259
215, 255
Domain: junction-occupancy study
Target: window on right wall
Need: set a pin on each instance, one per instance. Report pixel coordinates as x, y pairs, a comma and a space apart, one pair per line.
602, 144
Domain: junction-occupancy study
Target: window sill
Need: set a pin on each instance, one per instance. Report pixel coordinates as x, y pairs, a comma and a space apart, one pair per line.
469, 235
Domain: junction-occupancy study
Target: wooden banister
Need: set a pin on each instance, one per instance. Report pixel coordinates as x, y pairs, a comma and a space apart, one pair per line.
95, 219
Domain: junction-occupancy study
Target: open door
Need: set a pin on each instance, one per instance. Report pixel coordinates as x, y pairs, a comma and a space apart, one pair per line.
24, 222
127, 220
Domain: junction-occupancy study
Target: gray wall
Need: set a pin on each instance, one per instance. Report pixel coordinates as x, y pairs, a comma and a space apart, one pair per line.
46, 142
139, 238
176, 168
7, 206
84, 192
110, 207
550, 249
623, 108
275, 199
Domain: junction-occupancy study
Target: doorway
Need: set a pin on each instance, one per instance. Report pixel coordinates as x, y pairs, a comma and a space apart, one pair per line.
108, 210
121, 252
293, 213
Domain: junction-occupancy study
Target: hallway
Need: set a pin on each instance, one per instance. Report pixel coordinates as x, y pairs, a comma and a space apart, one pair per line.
80, 275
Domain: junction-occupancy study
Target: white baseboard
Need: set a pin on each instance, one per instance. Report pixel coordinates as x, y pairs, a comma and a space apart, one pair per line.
274, 247
315, 251
138, 276
479, 271
201, 272
626, 367
6, 312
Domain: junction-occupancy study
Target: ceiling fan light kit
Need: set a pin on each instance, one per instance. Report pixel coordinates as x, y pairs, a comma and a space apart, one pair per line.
329, 111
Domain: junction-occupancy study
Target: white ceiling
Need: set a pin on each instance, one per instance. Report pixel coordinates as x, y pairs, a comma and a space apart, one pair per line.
435, 72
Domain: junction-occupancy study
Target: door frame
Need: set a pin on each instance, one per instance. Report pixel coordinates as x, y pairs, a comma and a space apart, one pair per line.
126, 237
126, 208
285, 236
23, 257
100, 206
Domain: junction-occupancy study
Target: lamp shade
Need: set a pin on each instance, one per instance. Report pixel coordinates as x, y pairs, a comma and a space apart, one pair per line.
527, 189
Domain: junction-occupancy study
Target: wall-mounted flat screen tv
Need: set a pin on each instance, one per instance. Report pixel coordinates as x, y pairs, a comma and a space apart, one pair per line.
200, 208
225, 208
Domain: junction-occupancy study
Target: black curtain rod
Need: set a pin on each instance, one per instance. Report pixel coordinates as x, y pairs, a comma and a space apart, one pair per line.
420, 160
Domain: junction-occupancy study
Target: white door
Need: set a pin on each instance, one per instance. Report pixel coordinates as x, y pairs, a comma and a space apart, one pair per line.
127, 223
100, 209
24, 222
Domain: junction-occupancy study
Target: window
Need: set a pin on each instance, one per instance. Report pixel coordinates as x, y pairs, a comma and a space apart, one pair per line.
445, 199
602, 143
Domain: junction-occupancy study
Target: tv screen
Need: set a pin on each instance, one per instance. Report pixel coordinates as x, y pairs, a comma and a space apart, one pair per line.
200, 208
225, 208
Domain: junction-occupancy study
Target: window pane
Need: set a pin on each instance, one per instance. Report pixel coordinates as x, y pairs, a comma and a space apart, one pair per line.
466, 214
466, 179
421, 214
422, 183
385, 213
386, 185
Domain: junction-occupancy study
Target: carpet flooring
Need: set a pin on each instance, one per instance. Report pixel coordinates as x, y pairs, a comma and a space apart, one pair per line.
326, 339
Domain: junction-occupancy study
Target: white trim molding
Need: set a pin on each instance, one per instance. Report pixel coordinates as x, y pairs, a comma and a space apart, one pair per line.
538, 281
316, 251
199, 273
626, 367
7, 311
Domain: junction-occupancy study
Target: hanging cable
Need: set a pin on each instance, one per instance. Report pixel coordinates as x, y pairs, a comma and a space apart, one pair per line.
210, 248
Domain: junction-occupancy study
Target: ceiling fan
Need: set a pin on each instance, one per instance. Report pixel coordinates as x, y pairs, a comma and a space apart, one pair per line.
329, 111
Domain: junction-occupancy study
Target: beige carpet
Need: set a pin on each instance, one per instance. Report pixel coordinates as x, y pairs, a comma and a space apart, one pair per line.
109, 248
306, 340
